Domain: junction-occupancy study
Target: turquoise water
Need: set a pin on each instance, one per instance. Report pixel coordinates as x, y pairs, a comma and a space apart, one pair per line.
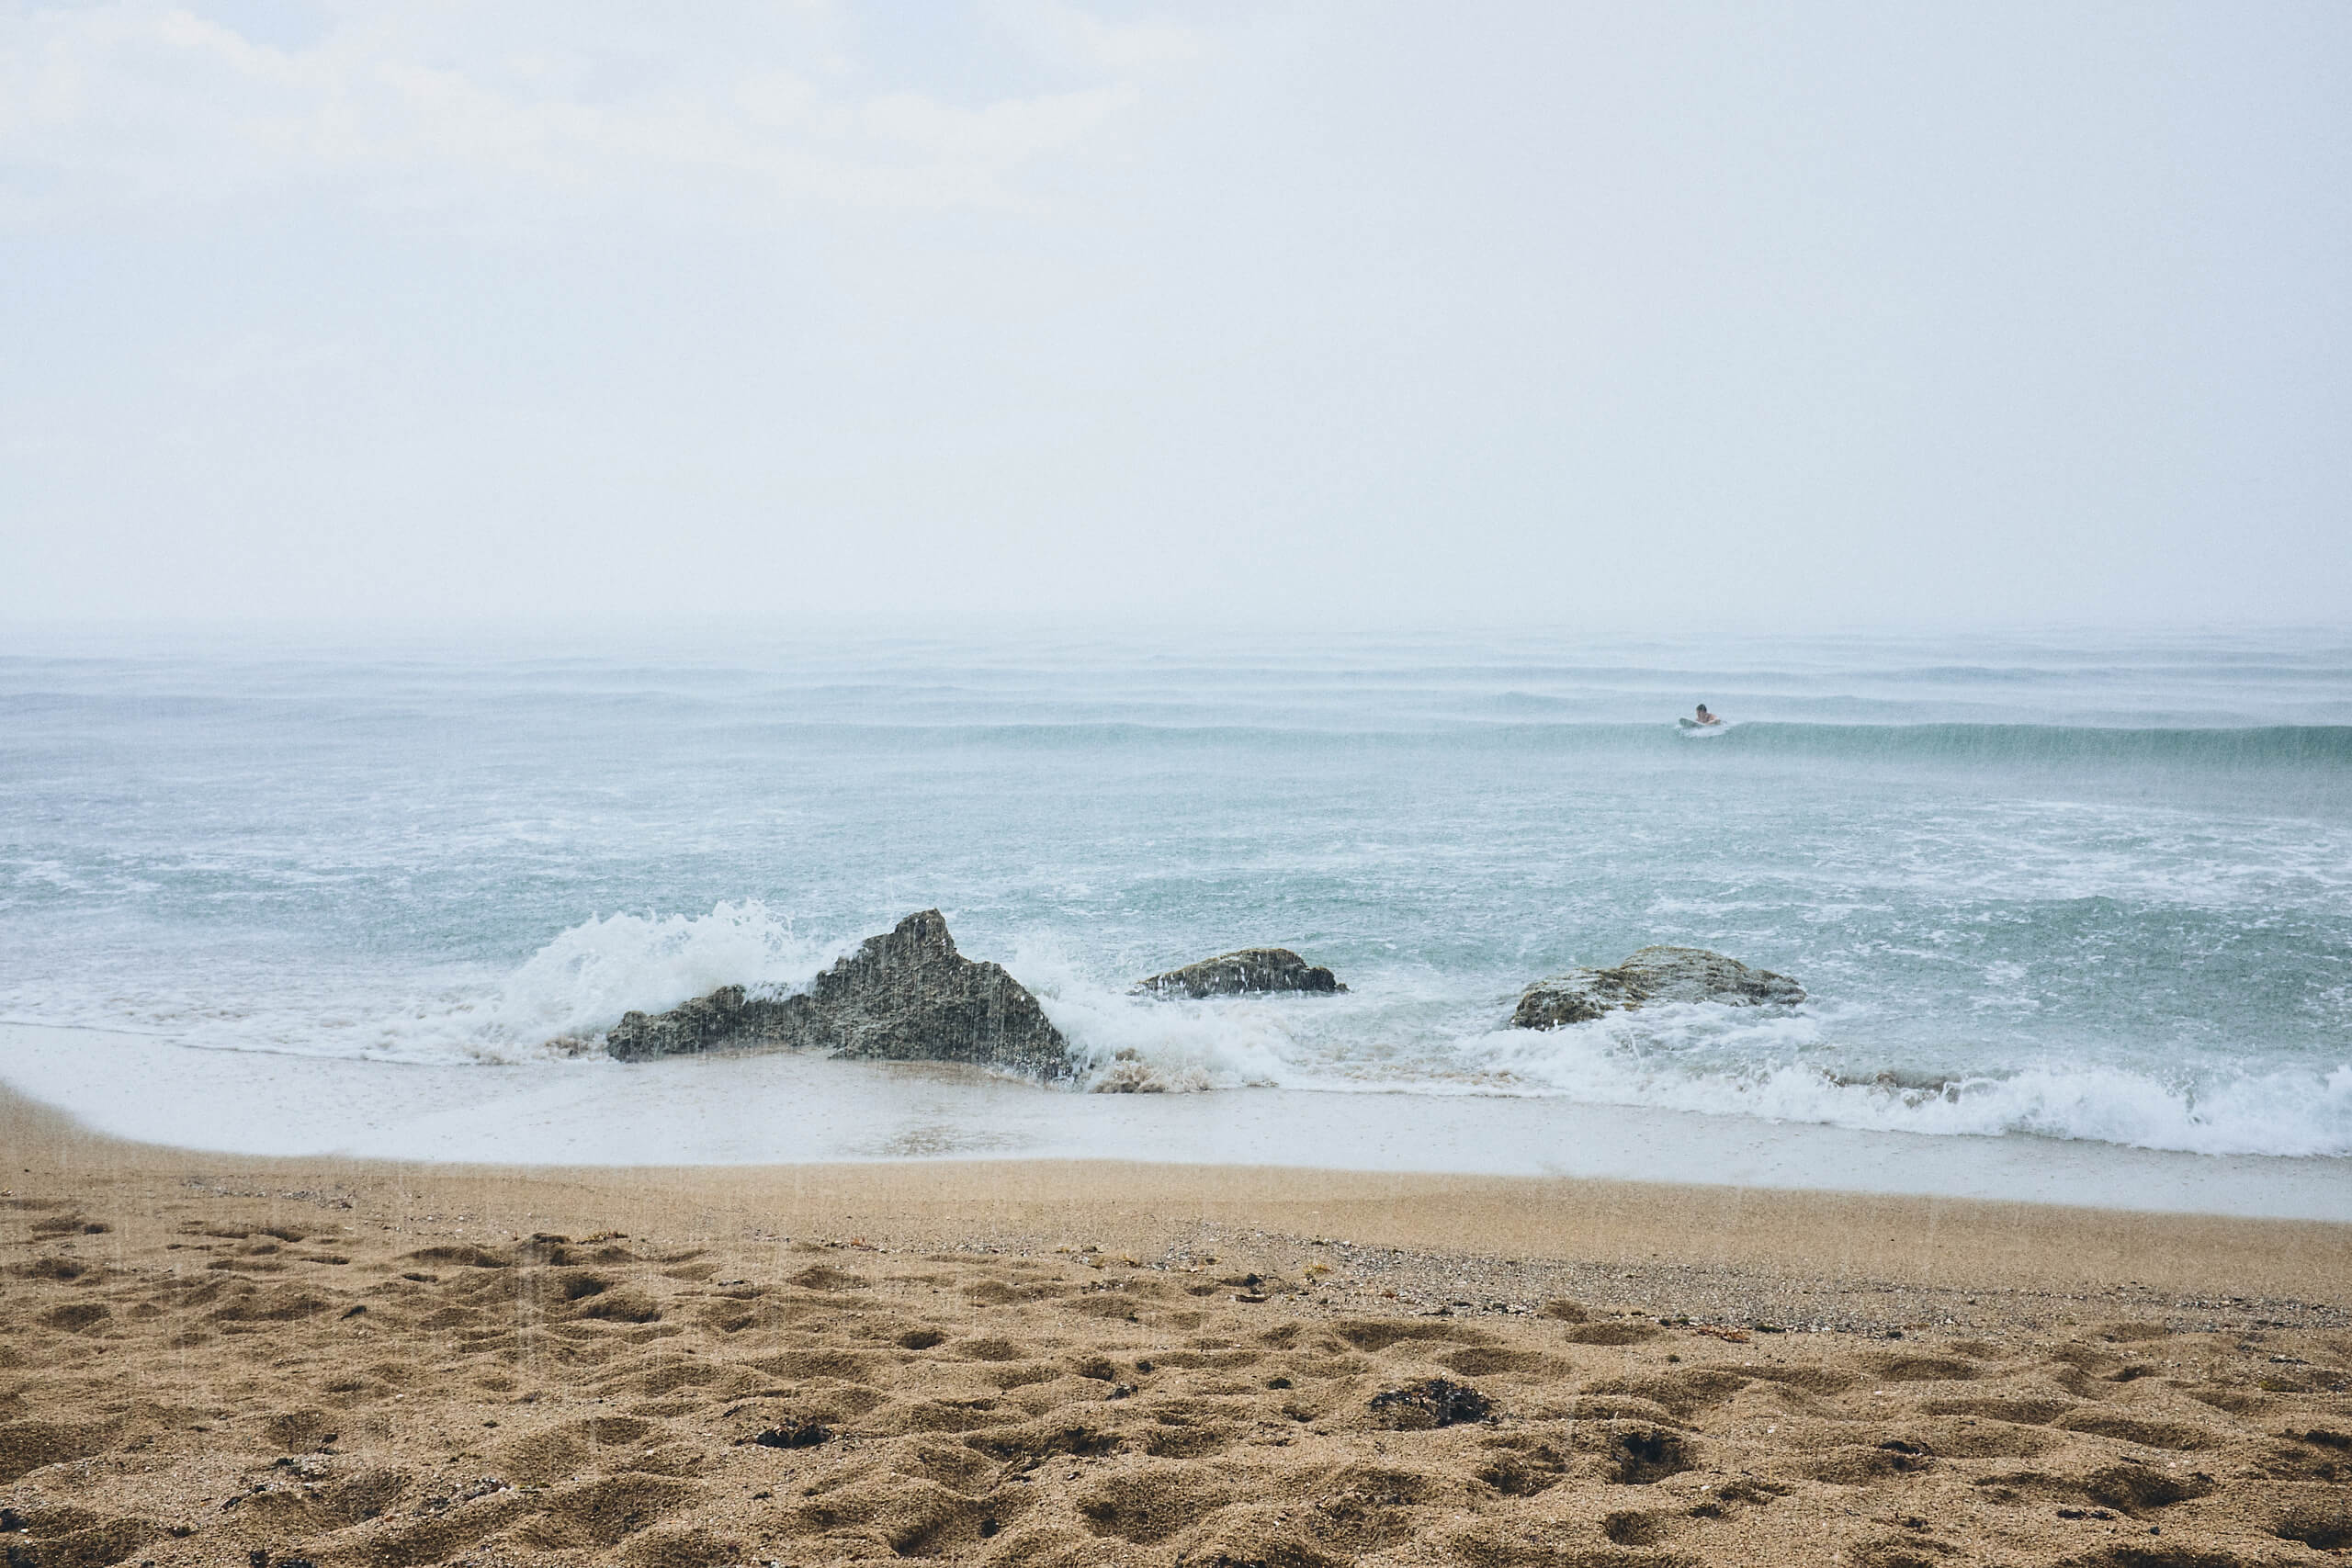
2066, 886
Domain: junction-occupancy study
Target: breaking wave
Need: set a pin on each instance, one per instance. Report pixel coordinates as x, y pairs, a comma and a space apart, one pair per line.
1619, 1062
558, 1002
1709, 1059
1399, 1031
580, 983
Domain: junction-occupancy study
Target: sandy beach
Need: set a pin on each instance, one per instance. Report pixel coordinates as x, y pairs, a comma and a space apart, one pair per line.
228, 1360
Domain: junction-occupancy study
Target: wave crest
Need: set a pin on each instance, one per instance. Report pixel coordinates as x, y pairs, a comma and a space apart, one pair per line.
1402, 1032
560, 1001
581, 983
1630, 1061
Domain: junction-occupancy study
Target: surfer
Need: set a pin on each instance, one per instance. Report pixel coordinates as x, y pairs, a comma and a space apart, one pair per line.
1706, 718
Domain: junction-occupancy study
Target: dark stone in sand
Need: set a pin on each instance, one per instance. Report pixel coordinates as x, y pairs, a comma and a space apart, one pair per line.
905, 996
1236, 973
1437, 1403
797, 1435
1645, 1456
2136, 1489
1653, 974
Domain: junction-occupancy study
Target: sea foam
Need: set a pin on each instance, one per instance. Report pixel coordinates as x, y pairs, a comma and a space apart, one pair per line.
556, 1004
581, 983
1759, 1069
1409, 1032
1398, 1030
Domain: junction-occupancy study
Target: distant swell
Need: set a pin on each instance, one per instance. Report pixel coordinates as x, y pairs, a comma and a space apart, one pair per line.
2087, 746
2304, 746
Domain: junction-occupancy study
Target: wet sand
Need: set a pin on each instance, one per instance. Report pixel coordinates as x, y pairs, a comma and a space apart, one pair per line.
207, 1356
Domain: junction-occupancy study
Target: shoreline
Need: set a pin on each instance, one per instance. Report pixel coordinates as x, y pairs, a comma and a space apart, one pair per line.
783, 1108
1925, 1241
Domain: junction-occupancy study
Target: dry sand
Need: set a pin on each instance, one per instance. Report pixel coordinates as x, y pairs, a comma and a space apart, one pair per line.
218, 1360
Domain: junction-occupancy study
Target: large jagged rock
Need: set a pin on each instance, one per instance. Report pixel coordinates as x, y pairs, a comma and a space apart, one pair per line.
1653, 974
905, 996
1235, 974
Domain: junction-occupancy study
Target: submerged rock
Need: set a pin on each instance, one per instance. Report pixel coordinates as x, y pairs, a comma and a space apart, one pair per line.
904, 996
1249, 970
1653, 974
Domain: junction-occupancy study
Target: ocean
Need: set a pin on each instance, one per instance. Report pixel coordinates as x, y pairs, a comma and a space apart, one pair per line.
2076, 887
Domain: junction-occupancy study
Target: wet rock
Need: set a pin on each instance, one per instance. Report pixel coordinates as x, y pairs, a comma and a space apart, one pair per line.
726, 1017
1653, 974
904, 996
1249, 970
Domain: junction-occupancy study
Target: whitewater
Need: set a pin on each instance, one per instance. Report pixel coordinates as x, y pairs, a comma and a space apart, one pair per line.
2062, 887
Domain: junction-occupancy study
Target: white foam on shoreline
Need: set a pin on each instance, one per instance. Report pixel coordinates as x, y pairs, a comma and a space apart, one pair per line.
1616, 1061
792, 1109
1709, 1059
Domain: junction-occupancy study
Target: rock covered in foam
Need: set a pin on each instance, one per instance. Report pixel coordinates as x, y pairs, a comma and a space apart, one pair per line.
904, 996
1251, 969
1653, 974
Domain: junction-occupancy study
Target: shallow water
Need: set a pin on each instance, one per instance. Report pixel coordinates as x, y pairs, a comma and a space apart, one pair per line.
2069, 888
791, 1109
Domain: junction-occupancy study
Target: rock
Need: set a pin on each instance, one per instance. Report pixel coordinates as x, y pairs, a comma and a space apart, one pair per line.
727, 1016
1418, 1407
1251, 969
1653, 974
795, 1435
905, 995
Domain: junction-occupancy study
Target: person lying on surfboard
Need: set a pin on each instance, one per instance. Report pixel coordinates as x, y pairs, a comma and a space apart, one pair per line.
1706, 718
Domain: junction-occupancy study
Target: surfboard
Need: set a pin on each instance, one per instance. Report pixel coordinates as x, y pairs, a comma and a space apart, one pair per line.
1692, 729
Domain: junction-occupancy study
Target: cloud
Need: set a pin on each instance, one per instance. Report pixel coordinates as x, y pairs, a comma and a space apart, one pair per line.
1070, 34
139, 105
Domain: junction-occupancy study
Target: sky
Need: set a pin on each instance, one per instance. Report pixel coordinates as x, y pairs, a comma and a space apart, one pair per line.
1625, 316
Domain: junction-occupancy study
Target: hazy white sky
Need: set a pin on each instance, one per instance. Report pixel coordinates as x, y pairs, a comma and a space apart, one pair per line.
1779, 316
